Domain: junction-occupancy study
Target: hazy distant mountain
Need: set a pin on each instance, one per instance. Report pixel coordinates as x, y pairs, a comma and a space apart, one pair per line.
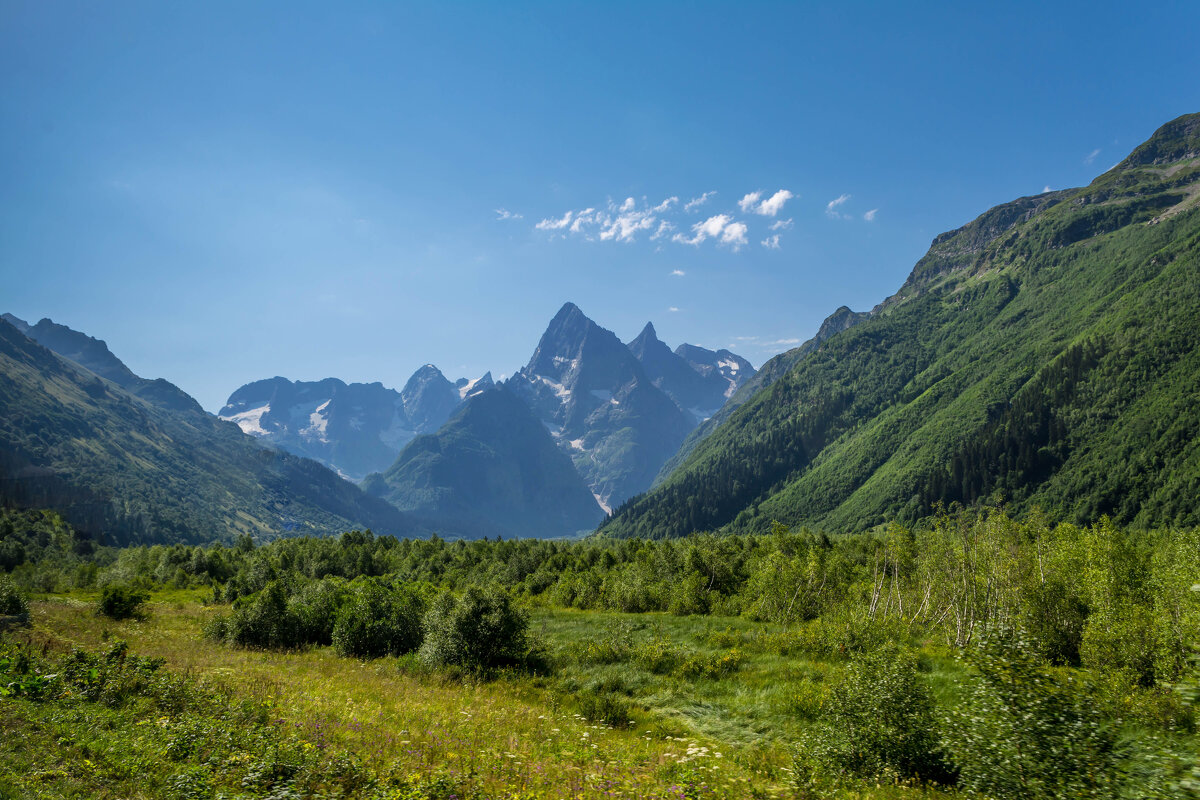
1046, 354
600, 406
355, 428
120, 464
95, 355
491, 469
697, 379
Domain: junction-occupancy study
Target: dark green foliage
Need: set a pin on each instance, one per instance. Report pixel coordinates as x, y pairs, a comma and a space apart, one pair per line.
12, 601
1056, 618
377, 621
121, 602
265, 620
315, 608
482, 630
1029, 732
605, 707
881, 723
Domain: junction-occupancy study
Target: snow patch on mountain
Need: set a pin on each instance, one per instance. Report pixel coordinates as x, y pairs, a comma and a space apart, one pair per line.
317, 423
251, 421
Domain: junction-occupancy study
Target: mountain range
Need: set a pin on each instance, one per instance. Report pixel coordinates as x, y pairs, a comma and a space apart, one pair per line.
354, 429
1045, 355
616, 413
131, 460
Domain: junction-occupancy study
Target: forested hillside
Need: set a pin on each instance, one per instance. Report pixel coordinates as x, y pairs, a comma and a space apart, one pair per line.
1046, 354
124, 469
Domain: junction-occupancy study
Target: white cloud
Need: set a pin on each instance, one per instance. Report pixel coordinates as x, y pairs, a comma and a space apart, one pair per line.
624, 227
774, 204
678, 272
696, 202
771, 242
781, 343
672, 309
710, 227
1090, 157
585, 217
504, 213
617, 222
555, 224
831, 208
1046, 188
870, 215
749, 202
720, 227
754, 204
734, 235
781, 224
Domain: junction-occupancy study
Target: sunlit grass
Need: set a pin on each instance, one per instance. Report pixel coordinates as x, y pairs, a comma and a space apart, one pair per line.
517, 733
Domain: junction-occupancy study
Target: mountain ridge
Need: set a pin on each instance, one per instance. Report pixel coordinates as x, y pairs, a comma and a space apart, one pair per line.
125, 469
935, 399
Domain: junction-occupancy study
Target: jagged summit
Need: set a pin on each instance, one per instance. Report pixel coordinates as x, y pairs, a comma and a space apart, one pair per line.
355, 428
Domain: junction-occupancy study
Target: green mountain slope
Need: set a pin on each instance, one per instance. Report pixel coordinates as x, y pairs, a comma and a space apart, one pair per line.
773, 370
491, 469
1046, 353
124, 468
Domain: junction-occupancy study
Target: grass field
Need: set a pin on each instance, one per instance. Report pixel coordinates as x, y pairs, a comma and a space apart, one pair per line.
644, 705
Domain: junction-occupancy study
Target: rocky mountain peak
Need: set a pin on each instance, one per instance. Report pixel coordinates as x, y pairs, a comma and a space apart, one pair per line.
1178, 140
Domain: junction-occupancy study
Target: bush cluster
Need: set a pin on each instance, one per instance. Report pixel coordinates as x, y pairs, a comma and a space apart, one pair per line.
118, 601
368, 618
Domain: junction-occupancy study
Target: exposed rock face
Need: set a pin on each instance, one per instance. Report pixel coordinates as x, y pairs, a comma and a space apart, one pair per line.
355, 428
601, 407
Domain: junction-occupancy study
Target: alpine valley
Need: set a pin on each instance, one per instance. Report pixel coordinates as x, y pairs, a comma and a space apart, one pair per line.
1045, 355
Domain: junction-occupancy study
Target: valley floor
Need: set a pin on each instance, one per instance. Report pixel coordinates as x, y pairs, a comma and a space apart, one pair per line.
703, 707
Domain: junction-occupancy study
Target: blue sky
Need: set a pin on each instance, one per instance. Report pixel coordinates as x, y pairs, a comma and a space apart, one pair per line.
230, 191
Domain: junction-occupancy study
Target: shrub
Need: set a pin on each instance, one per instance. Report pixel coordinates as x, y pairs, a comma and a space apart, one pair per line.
658, 656
121, 602
12, 601
315, 608
604, 707
1122, 641
265, 621
880, 721
481, 631
613, 646
1056, 618
377, 621
1027, 731
716, 665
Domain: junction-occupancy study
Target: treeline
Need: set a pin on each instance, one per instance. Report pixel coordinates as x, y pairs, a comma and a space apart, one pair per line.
1097, 596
